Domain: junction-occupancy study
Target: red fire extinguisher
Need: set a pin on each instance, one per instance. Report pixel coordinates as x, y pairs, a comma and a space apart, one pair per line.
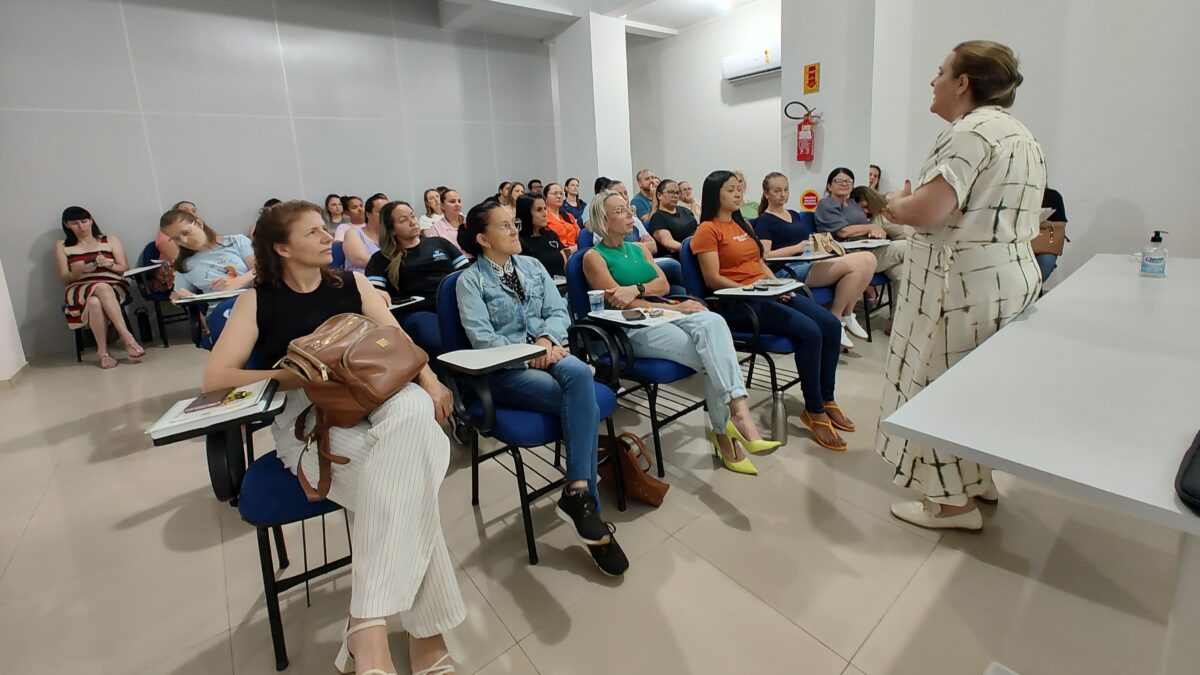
805, 138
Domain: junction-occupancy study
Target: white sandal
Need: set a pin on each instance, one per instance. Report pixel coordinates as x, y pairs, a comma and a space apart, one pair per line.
346, 659
438, 667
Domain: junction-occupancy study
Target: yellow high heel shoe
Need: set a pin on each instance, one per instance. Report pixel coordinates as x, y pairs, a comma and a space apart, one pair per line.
761, 445
742, 466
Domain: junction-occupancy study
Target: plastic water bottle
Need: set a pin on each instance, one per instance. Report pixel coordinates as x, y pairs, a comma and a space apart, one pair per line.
1154, 256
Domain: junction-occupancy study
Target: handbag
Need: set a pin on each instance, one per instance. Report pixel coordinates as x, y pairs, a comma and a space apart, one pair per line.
1187, 481
1050, 239
823, 242
349, 366
638, 481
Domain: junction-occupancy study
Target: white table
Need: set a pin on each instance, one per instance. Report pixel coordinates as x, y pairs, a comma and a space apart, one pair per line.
865, 244
140, 270
613, 316
773, 291
209, 297
1093, 392
474, 361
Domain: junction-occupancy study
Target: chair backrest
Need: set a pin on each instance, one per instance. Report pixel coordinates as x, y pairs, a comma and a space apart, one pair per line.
149, 252
454, 337
577, 286
216, 320
809, 221
585, 239
693, 278
339, 256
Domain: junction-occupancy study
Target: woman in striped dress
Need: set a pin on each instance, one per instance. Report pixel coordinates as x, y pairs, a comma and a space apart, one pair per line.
970, 269
398, 455
91, 263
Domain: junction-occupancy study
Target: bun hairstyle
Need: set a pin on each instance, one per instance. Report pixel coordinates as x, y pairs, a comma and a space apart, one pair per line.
992, 70
475, 225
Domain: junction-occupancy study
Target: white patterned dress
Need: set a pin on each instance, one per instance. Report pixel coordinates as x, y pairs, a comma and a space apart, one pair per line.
963, 281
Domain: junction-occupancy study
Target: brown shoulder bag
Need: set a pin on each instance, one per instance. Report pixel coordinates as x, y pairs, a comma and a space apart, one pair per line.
1050, 239
638, 481
823, 242
350, 365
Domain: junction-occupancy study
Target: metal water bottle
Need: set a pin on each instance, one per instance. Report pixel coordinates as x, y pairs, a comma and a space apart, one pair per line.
778, 418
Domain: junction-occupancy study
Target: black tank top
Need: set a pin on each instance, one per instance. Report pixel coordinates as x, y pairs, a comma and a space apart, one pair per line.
284, 314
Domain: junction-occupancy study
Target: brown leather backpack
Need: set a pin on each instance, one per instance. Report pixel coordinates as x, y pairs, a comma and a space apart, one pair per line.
350, 365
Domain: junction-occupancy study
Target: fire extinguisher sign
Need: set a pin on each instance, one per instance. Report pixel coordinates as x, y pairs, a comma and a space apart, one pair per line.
812, 78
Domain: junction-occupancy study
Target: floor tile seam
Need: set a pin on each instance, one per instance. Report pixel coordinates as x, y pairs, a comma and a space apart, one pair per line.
227, 633
765, 602
892, 604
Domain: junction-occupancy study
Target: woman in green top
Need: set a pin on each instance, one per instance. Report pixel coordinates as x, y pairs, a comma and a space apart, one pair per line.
699, 340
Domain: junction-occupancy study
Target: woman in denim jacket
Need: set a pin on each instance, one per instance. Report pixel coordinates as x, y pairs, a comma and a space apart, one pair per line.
506, 298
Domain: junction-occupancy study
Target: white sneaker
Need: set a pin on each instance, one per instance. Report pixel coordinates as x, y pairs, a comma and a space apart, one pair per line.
846, 343
918, 514
851, 323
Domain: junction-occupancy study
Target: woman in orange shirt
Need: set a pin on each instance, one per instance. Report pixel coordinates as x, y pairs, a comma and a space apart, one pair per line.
730, 255
559, 221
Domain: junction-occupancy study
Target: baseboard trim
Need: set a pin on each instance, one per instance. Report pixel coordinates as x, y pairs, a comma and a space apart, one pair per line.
16, 378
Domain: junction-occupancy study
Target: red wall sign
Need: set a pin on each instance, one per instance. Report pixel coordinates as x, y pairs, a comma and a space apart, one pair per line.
809, 199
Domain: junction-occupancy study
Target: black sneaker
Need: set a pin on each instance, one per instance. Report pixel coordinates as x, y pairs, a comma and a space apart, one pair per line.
577, 508
609, 557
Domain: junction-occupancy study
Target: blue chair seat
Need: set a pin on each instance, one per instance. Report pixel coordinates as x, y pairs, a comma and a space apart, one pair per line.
658, 371
271, 495
879, 279
776, 344
526, 428
822, 295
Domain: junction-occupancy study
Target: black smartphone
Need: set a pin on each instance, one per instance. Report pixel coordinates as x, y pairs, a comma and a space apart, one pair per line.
633, 314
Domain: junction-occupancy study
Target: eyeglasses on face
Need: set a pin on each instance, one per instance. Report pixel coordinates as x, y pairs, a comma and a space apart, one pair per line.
508, 226
843, 181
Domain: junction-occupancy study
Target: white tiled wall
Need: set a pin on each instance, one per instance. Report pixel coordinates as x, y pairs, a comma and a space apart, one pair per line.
126, 107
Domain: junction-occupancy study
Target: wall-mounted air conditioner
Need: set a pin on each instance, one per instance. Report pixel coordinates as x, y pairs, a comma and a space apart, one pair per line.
742, 67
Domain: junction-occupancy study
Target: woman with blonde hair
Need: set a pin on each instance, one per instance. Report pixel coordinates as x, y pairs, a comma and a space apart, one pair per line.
969, 271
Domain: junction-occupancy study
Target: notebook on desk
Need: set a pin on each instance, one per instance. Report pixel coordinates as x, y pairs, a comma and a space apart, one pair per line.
214, 408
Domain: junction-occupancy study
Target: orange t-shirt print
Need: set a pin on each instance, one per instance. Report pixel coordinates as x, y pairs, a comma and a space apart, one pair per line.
740, 260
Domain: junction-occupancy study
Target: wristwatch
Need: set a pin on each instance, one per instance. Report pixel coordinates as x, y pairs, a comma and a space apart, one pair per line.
641, 288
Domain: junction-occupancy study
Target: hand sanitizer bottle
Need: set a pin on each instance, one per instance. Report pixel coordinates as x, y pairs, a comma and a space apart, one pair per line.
1154, 256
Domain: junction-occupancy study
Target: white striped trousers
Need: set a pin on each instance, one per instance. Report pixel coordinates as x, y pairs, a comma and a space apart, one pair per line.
398, 459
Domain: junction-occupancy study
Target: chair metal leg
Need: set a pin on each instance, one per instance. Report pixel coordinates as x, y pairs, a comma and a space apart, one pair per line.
271, 592
652, 398
475, 471
558, 447
523, 491
79, 345
750, 370
618, 475
281, 547
867, 315
162, 323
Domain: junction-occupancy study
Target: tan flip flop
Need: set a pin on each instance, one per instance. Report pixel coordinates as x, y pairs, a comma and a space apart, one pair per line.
812, 425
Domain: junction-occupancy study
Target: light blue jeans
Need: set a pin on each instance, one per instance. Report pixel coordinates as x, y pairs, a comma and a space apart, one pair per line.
1046, 263
700, 341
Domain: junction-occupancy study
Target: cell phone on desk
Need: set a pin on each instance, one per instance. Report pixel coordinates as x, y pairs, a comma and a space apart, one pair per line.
632, 314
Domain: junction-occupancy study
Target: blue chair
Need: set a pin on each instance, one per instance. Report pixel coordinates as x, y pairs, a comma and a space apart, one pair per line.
757, 343
268, 496
649, 374
157, 298
585, 239
339, 256
514, 428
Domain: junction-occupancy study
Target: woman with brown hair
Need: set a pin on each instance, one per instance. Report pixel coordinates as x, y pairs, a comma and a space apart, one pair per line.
207, 261
398, 456
970, 270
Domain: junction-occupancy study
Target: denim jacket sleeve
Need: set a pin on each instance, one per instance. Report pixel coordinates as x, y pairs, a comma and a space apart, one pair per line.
473, 312
555, 319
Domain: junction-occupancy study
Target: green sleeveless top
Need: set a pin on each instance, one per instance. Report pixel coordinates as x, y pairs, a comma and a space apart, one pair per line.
627, 265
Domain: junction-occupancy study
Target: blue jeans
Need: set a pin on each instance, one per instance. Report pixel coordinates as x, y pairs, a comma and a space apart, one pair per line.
565, 389
815, 336
422, 327
1047, 262
794, 270
700, 341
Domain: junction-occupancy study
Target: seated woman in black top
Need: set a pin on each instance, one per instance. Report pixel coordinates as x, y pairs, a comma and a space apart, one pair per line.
537, 240
398, 455
672, 222
408, 265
